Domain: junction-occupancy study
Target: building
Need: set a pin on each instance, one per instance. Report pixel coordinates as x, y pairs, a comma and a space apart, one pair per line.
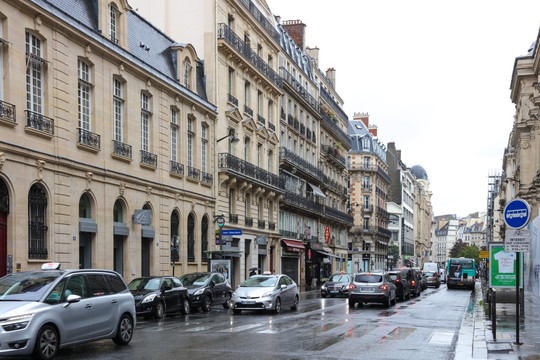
106, 141
445, 237
370, 182
423, 216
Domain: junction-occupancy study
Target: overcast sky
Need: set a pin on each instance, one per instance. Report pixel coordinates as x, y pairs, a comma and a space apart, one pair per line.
434, 77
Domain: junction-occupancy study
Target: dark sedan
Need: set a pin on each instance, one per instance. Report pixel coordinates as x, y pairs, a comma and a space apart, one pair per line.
206, 289
157, 295
336, 285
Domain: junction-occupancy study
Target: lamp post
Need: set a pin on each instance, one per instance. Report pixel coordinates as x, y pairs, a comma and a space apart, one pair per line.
175, 241
233, 138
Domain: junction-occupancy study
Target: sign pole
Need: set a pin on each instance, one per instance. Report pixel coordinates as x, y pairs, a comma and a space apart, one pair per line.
518, 256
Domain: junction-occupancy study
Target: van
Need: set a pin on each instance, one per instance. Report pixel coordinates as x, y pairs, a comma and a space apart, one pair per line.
431, 267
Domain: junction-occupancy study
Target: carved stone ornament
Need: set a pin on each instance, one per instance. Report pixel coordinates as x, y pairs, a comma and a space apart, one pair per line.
121, 69
3, 158
40, 166
177, 197
89, 176
148, 84
193, 205
122, 188
148, 191
37, 22
525, 144
88, 50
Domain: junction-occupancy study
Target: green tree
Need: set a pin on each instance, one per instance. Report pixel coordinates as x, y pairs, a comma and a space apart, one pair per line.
458, 245
394, 251
470, 252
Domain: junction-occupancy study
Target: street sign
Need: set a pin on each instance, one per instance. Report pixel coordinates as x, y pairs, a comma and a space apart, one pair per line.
231, 232
517, 213
517, 240
484, 254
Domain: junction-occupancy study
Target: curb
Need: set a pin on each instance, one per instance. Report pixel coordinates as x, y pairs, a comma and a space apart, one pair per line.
471, 342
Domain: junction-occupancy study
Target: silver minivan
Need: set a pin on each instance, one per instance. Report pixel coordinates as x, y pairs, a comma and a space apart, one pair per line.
43, 311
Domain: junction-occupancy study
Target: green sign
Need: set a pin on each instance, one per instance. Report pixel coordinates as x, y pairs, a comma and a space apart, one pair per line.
502, 267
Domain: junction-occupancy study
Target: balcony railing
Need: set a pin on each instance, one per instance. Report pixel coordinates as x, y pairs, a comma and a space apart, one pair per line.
39, 122
233, 218
249, 221
383, 174
334, 154
261, 224
339, 215
119, 148
228, 162
309, 203
301, 164
261, 119
272, 126
148, 158
193, 173
7, 111
177, 168
300, 90
271, 225
335, 128
224, 32
248, 110
261, 19
233, 100
90, 139
337, 109
206, 177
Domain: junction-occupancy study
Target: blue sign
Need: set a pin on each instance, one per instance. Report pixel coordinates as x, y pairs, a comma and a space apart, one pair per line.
517, 213
231, 232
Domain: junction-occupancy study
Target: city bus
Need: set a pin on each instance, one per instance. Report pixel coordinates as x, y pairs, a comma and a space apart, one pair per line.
460, 272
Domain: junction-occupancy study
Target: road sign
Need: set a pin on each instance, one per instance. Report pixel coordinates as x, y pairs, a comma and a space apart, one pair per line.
327, 234
517, 213
231, 232
484, 254
517, 240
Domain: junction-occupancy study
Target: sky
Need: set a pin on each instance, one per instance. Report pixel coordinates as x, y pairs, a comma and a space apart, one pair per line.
434, 77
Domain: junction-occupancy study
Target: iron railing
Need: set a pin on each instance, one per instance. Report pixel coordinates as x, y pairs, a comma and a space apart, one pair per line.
301, 164
39, 122
148, 158
7, 111
229, 162
119, 148
329, 123
207, 178
300, 90
90, 139
193, 173
177, 168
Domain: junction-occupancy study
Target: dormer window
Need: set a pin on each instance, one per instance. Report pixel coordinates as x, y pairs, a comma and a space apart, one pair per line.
114, 15
187, 73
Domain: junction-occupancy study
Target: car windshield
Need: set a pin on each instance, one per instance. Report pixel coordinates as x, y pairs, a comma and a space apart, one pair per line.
339, 278
151, 284
393, 276
26, 286
194, 279
263, 281
428, 274
368, 278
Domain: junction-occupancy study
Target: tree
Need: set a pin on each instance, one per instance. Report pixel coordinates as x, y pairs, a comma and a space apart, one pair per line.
458, 245
470, 252
394, 251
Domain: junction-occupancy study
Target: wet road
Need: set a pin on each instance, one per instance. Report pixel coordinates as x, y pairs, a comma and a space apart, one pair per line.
421, 328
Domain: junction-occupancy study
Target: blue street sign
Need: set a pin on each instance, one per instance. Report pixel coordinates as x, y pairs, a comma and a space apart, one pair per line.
231, 232
517, 213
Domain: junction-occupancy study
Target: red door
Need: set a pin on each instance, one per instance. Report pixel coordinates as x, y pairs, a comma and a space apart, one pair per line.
3, 243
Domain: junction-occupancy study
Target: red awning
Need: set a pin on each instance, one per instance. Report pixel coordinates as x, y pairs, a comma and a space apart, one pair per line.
293, 246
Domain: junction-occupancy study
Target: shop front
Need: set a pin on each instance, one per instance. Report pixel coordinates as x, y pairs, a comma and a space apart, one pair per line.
291, 251
318, 265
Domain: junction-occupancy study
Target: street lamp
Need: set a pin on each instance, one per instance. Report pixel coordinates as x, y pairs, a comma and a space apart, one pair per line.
231, 136
175, 241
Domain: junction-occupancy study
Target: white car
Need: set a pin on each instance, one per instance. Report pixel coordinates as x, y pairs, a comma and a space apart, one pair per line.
266, 292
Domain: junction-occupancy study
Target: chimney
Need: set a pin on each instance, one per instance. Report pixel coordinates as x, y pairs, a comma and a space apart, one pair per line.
314, 54
364, 117
331, 76
297, 30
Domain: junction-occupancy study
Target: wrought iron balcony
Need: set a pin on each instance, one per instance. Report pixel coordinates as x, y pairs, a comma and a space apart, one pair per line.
90, 139
261, 19
148, 158
233, 218
207, 178
299, 89
334, 154
337, 109
330, 124
230, 163
300, 164
7, 111
261, 224
339, 215
249, 221
272, 126
119, 148
309, 203
225, 33
383, 174
271, 225
261, 119
39, 122
177, 168
233, 100
383, 213
248, 110
193, 173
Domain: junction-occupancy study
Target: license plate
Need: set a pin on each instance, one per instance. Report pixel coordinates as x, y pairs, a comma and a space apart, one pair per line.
460, 284
248, 302
333, 291
367, 289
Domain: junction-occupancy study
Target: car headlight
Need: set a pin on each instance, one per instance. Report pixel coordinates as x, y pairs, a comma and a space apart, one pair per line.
323, 287
149, 298
267, 295
198, 292
233, 295
17, 322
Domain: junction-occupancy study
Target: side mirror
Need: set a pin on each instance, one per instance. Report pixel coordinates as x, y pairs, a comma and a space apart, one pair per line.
167, 287
212, 283
283, 286
72, 299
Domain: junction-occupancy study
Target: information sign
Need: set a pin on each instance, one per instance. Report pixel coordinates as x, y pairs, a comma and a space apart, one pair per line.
517, 240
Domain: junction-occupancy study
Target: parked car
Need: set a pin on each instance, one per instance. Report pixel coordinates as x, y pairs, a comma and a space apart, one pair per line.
369, 287
157, 295
431, 267
415, 286
336, 285
266, 292
402, 284
432, 279
206, 289
44, 311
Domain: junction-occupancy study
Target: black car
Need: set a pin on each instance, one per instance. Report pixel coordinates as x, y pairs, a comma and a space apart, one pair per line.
157, 295
336, 285
206, 289
415, 286
402, 284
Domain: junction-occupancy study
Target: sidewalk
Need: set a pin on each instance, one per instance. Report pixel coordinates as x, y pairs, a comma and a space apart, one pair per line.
475, 340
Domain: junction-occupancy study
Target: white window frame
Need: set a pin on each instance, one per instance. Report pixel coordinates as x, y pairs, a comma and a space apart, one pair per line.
190, 136
84, 94
113, 23
174, 135
145, 122
118, 110
204, 148
187, 73
34, 74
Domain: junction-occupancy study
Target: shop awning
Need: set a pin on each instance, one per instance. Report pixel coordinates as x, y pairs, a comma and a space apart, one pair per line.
368, 241
317, 190
293, 246
324, 253
224, 253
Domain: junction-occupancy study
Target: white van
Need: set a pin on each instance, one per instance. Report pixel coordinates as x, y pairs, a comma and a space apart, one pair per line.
431, 267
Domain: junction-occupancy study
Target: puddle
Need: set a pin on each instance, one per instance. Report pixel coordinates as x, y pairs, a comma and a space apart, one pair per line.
399, 333
326, 343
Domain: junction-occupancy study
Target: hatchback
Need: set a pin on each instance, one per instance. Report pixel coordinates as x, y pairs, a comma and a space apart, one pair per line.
432, 279
206, 289
157, 295
43, 311
336, 285
266, 292
372, 287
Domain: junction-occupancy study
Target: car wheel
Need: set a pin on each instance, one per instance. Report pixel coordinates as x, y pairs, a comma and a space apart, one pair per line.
159, 312
277, 306
227, 302
236, 312
351, 304
295, 304
323, 295
47, 343
206, 303
186, 307
394, 300
125, 330
387, 302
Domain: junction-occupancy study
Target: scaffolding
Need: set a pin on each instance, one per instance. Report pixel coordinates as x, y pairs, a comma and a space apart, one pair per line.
494, 183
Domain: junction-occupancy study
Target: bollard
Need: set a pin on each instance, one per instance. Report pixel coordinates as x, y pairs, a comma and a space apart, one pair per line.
488, 301
493, 315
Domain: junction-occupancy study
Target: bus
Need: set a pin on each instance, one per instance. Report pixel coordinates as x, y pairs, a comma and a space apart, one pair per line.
460, 272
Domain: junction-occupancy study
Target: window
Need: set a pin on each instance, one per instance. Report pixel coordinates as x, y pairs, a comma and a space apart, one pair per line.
366, 223
259, 103
85, 209
145, 122
37, 223
365, 143
367, 162
232, 203
231, 81
247, 208
246, 148
34, 74
230, 22
366, 182
204, 148
118, 110
259, 154
84, 95
260, 208
1, 65
191, 238
190, 135
174, 135
246, 93
187, 73
114, 14
269, 113
270, 160
259, 50
366, 202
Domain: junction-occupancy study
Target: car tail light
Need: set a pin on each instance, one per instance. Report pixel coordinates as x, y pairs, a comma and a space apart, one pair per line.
413, 283
383, 287
397, 280
352, 286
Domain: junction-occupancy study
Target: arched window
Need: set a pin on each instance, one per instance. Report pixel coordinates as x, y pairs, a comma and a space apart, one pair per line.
85, 210
191, 238
37, 220
204, 239
175, 223
118, 212
4, 197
